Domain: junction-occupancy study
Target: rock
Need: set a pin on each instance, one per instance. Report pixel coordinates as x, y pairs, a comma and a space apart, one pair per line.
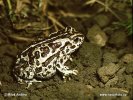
129, 80
93, 82
90, 55
89, 87
121, 81
108, 71
127, 58
121, 71
129, 68
109, 57
112, 82
96, 36
119, 39
101, 85
102, 20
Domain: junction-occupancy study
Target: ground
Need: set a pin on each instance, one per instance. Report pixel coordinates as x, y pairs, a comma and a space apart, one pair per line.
104, 61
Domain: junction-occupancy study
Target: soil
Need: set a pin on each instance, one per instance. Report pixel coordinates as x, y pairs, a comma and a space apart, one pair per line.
105, 64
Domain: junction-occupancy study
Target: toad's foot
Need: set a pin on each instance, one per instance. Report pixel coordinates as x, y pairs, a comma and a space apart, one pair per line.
68, 73
29, 83
70, 59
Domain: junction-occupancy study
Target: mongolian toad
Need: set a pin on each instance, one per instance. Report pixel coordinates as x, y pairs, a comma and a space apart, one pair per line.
41, 60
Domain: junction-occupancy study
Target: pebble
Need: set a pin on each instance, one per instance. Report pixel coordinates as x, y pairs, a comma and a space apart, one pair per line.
108, 71
97, 36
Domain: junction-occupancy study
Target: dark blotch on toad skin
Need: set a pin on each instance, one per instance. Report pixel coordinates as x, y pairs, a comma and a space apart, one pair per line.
28, 73
44, 64
54, 46
37, 54
73, 46
48, 72
37, 63
58, 65
54, 67
38, 69
67, 50
29, 52
31, 60
43, 54
61, 60
44, 51
45, 69
49, 66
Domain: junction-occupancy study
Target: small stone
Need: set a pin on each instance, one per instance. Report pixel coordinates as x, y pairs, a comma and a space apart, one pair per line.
93, 82
109, 57
102, 20
118, 38
89, 87
121, 71
101, 84
112, 82
129, 68
97, 36
127, 58
106, 72
129, 80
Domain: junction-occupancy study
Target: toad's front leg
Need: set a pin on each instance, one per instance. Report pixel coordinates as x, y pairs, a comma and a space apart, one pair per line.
60, 65
66, 71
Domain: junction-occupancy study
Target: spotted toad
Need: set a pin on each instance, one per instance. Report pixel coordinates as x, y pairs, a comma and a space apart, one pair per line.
41, 60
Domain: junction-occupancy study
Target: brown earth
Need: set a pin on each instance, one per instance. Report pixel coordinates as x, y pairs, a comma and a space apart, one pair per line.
104, 61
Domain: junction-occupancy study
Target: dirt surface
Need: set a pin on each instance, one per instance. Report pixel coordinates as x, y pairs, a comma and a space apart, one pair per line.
104, 61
